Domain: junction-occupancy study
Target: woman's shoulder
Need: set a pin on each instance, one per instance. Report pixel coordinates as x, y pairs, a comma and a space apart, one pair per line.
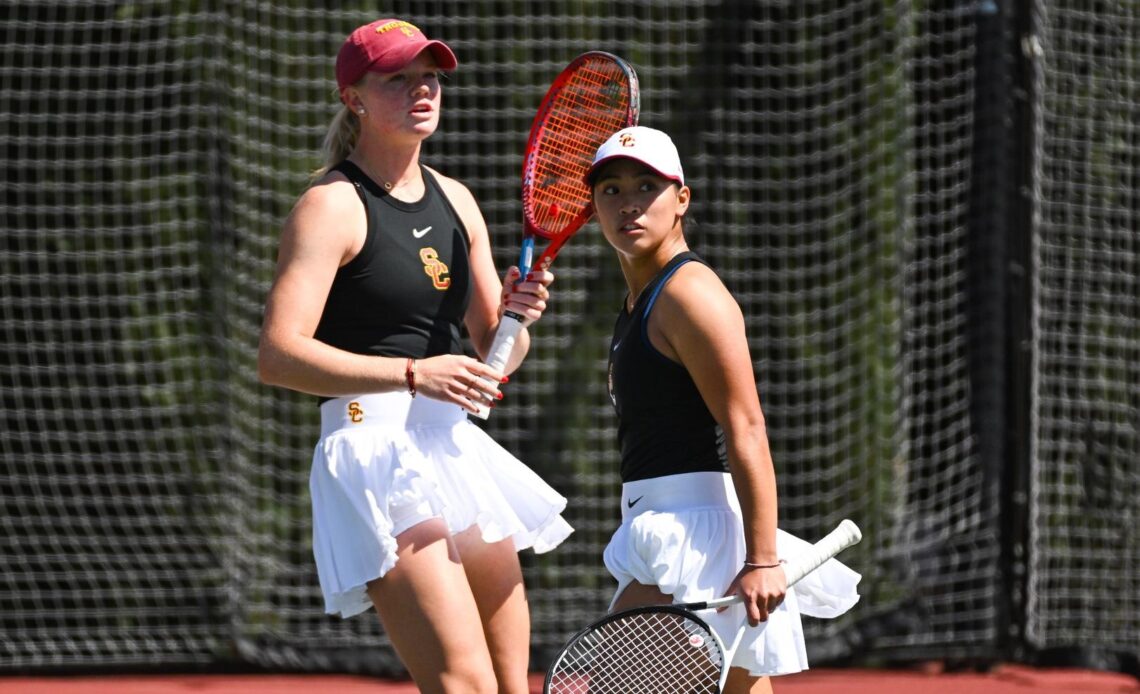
330, 205
332, 192
694, 275
456, 191
695, 292
463, 201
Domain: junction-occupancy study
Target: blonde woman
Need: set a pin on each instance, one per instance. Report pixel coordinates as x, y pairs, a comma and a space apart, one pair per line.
382, 264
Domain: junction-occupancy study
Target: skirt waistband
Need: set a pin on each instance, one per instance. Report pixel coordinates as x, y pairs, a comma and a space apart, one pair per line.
397, 410
677, 492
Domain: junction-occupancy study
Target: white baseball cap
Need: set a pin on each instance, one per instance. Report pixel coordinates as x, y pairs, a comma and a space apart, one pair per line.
646, 145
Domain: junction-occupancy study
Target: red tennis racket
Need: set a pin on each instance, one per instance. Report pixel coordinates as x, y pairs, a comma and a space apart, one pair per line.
592, 98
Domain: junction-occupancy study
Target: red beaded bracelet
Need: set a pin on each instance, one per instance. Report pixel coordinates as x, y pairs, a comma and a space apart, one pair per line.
410, 376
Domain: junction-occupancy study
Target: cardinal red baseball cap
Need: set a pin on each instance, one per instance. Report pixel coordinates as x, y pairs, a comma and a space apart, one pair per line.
386, 45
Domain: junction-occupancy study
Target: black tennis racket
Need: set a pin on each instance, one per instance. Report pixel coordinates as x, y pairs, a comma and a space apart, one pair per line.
664, 649
592, 98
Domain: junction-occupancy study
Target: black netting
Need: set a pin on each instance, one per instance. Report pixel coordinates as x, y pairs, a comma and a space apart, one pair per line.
848, 185
1083, 583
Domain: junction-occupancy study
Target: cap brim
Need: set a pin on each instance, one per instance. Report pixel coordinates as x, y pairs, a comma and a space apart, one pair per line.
592, 174
444, 57
396, 60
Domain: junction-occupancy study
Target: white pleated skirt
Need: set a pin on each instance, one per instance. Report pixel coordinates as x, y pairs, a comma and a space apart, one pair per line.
684, 534
387, 461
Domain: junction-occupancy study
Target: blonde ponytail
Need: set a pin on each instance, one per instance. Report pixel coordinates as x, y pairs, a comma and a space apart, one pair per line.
339, 140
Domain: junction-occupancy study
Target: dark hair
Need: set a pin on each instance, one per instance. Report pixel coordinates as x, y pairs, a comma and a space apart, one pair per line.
692, 229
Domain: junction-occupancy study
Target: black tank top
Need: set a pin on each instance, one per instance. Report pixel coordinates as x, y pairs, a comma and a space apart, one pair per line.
664, 426
406, 292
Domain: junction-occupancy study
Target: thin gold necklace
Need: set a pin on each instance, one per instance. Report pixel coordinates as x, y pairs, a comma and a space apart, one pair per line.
387, 185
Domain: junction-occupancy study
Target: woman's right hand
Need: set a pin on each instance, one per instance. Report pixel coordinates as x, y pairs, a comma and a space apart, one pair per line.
459, 379
526, 298
762, 589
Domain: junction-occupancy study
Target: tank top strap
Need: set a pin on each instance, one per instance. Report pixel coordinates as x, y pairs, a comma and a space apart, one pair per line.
431, 180
659, 282
354, 175
649, 297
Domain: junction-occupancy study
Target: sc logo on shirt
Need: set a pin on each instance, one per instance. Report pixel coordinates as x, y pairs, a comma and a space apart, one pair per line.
435, 269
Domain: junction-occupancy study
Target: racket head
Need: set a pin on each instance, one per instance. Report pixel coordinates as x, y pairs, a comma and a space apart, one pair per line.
593, 97
644, 650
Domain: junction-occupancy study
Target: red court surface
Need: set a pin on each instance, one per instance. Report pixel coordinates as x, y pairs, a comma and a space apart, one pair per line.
1009, 679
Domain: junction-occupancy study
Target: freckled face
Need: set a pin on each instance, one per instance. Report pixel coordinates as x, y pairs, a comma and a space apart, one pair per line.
401, 102
637, 208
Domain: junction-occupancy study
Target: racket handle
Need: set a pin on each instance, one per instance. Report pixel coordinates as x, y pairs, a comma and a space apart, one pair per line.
526, 257
510, 325
501, 348
844, 535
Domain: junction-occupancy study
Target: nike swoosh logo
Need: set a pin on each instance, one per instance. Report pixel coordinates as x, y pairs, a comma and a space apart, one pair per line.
631, 502
615, 347
419, 234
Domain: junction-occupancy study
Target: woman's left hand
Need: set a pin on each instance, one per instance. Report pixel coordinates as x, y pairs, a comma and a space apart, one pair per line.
527, 298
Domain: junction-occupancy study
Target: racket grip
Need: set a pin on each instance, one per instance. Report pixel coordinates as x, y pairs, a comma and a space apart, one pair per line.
501, 348
844, 535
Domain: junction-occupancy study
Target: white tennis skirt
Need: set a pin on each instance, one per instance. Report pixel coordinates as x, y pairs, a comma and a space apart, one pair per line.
684, 534
386, 462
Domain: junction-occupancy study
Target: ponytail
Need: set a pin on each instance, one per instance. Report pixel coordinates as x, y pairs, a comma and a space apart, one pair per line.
339, 140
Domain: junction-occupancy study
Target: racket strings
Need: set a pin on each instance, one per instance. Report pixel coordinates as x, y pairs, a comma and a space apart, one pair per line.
593, 103
646, 653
